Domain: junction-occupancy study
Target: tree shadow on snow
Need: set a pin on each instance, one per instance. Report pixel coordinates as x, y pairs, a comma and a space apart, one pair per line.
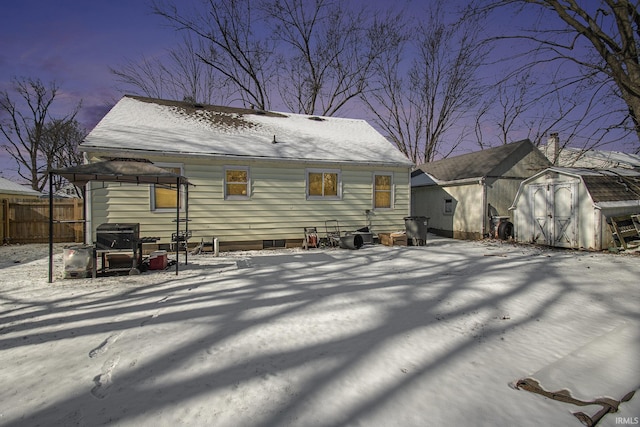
319, 337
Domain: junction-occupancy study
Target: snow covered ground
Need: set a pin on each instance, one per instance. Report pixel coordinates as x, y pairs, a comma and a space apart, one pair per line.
381, 336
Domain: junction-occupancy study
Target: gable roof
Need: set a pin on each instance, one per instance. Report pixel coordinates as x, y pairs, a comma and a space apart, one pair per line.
607, 188
476, 165
138, 126
10, 187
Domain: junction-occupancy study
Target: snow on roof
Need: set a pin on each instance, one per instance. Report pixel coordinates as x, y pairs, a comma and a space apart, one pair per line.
598, 159
145, 125
10, 187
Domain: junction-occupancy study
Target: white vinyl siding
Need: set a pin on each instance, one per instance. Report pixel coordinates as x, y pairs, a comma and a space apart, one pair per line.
277, 209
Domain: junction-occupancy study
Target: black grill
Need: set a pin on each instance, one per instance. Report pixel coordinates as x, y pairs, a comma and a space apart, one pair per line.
117, 236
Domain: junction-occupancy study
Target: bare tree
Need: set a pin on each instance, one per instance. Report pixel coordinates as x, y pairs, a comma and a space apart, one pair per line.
232, 46
418, 108
328, 54
178, 75
61, 139
602, 40
28, 129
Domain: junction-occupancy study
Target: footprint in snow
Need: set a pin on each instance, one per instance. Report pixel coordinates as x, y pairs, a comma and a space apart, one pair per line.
104, 345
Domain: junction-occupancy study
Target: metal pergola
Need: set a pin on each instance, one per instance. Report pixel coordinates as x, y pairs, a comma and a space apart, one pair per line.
131, 171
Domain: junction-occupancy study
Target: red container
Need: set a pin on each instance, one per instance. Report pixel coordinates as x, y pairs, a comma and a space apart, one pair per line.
158, 260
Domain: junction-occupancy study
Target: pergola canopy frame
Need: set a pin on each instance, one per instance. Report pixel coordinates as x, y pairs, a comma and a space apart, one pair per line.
133, 171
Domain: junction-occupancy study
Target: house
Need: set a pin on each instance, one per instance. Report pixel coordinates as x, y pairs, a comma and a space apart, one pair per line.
259, 177
11, 190
593, 159
570, 207
468, 196
68, 191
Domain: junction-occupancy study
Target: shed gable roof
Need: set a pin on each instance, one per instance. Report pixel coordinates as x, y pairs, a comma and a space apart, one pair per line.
478, 164
605, 187
145, 125
611, 188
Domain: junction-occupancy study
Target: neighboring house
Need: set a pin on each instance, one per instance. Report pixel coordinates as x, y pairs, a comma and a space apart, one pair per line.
465, 196
259, 177
68, 191
593, 159
569, 207
11, 190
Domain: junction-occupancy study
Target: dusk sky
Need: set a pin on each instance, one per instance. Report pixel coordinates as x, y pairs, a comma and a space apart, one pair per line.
74, 42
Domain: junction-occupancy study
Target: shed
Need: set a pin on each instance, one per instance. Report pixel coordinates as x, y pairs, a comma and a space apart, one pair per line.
260, 177
570, 207
466, 196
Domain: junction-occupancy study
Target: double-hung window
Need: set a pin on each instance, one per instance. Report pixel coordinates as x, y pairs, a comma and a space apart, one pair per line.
237, 183
165, 197
382, 191
324, 184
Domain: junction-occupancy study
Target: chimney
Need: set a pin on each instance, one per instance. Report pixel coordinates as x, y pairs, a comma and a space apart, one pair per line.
552, 149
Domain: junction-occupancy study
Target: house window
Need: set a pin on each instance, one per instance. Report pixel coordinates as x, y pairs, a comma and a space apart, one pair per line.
323, 184
237, 183
163, 197
448, 206
382, 191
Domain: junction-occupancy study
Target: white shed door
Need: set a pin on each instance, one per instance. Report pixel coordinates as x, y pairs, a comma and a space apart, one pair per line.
553, 210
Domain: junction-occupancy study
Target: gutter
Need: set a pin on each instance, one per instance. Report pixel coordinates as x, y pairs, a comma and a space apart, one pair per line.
144, 153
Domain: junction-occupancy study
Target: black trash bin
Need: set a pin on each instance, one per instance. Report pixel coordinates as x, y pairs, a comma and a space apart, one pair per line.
416, 227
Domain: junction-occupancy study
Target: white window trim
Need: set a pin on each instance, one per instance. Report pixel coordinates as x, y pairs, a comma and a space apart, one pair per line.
322, 170
373, 193
224, 183
152, 193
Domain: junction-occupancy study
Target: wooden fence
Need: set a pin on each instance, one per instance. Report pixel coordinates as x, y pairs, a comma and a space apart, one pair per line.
27, 221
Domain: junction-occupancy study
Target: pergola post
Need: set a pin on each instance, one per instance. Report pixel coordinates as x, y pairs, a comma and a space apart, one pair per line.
50, 227
177, 223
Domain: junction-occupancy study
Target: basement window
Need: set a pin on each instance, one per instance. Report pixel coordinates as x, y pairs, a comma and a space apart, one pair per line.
273, 244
